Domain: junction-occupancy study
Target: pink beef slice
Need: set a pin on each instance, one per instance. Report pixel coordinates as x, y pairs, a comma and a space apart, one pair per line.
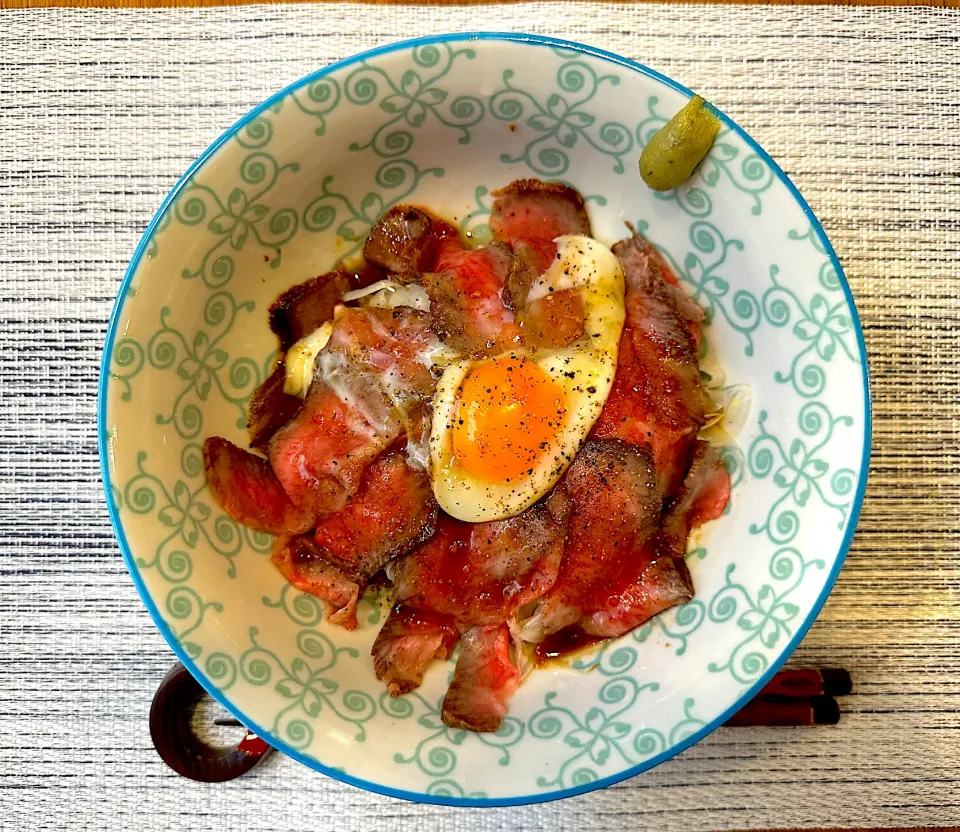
702, 497
407, 643
483, 573
657, 399
303, 565
466, 291
611, 578
393, 511
321, 455
245, 487
483, 681
270, 409
531, 211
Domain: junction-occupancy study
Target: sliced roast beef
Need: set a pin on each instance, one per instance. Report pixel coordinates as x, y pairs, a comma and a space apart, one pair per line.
484, 680
303, 565
303, 308
540, 254
531, 210
395, 346
555, 320
406, 644
617, 501
321, 455
530, 215
652, 582
466, 298
702, 497
404, 240
393, 511
270, 409
690, 311
657, 397
382, 361
647, 260
523, 273
246, 488
373, 380
482, 573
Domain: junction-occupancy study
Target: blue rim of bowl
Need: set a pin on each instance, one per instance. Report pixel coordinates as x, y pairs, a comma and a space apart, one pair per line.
449, 800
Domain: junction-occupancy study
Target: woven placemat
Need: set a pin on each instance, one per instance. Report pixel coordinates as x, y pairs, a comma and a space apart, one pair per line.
100, 112
143, 4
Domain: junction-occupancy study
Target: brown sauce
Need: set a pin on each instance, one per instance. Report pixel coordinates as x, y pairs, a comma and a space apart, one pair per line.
558, 646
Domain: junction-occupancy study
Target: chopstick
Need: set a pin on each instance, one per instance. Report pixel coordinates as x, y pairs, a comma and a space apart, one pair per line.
780, 711
796, 698
809, 682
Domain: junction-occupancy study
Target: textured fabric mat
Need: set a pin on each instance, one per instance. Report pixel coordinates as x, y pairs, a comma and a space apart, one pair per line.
133, 4
101, 111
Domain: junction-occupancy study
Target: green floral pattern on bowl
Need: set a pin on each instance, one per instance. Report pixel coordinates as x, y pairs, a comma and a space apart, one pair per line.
294, 189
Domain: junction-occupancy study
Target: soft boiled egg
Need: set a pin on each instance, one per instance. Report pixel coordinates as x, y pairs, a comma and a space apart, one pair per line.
505, 429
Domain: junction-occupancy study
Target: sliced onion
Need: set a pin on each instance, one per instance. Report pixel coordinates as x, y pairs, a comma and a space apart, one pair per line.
735, 404
372, 289
413, 295
710, 366
388, 294
738, 405
524, 652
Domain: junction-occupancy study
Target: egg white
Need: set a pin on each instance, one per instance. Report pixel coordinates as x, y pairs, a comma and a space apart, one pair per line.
584, 371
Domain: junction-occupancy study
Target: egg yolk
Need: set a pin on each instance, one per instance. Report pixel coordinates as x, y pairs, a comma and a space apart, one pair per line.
509, 415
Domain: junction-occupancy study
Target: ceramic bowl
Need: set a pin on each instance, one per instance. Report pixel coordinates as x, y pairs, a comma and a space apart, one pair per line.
292, 189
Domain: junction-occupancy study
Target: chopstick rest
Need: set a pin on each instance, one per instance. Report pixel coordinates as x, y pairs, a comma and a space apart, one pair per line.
179, 746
